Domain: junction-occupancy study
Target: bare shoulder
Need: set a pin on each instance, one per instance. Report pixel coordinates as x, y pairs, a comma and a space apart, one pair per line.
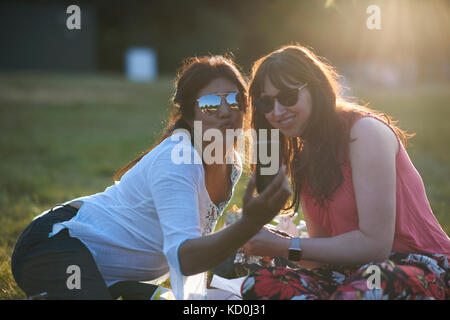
370, 131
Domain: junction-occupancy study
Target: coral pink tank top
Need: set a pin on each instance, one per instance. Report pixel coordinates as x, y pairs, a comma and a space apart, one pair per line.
416, 228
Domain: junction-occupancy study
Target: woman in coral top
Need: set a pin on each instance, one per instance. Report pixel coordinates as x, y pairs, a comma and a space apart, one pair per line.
372, 234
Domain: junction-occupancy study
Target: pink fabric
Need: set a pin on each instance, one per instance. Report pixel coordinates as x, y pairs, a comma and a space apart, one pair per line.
416, 228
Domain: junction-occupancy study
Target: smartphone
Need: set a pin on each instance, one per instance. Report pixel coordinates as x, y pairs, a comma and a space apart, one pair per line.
271, 145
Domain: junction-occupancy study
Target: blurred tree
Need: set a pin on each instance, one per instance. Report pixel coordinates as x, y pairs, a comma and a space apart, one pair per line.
411, 30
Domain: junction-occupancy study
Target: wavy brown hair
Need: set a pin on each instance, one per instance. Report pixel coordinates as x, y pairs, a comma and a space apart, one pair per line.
317, 155
195, 74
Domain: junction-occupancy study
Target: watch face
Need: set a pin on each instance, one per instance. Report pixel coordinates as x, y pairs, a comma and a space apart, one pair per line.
295, 255
295, 251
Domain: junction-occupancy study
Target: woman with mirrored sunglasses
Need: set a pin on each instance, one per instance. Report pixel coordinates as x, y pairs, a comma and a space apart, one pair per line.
372, 233
159, 216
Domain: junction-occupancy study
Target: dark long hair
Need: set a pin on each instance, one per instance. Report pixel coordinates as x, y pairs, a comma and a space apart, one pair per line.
316, 156
194, 75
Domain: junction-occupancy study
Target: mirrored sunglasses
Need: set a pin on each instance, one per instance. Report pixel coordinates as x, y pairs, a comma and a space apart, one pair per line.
211, 103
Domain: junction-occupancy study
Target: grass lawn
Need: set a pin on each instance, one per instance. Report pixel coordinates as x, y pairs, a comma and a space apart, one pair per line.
65, 136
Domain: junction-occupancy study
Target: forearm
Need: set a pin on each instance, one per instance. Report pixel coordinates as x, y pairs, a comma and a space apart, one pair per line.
201, 254
352, 247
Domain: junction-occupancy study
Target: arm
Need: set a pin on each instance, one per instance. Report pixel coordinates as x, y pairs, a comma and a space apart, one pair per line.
267, 243
314, 231
372, 158
201, 254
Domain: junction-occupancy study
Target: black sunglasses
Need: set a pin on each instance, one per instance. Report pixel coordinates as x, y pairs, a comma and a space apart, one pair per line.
210, 103
286, 97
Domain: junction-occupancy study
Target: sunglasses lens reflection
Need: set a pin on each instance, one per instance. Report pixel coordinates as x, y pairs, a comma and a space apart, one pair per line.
209, 103
232, 100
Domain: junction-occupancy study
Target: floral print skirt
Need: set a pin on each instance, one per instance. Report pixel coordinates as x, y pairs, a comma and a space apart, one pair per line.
401, 277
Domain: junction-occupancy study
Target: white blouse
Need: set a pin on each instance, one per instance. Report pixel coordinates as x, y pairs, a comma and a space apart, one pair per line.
135, 227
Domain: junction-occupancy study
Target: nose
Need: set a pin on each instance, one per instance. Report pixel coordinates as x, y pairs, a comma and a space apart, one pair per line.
224, 110
278, 109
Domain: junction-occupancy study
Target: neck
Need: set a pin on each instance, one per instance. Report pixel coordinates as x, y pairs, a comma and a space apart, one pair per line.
214, 167
222, 164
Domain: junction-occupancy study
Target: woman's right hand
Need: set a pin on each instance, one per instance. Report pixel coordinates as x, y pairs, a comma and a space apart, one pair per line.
203, 253
259, 210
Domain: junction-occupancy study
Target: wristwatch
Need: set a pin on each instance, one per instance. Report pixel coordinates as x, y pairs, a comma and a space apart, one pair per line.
295, 251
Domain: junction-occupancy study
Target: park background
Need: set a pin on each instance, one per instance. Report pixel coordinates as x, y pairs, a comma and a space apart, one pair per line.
70, 117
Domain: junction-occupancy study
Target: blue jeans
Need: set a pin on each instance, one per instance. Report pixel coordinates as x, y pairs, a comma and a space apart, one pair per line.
40, 264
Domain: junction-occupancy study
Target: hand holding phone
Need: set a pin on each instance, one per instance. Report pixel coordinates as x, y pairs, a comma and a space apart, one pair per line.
271, 146
260, 210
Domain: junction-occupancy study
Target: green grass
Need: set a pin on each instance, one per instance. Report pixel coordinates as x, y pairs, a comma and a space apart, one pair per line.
65, 136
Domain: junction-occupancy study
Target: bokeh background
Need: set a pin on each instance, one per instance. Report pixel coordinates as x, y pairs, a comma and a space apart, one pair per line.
70, 115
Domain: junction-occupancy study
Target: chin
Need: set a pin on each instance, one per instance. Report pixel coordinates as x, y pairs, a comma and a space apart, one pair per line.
287, 132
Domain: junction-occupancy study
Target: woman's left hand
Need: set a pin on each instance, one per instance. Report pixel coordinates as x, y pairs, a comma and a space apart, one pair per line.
266, 244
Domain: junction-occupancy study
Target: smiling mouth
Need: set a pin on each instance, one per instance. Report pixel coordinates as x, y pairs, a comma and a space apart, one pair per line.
286, 121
